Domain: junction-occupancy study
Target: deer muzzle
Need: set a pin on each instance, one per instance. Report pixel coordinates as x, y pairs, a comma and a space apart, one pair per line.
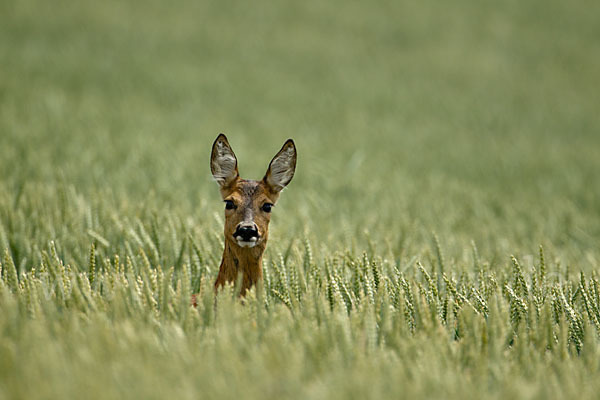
246, 234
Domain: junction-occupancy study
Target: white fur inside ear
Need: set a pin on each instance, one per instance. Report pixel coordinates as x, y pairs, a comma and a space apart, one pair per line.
223, 164
282, 168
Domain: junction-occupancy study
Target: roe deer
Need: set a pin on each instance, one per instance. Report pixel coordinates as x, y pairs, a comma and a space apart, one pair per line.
248, 205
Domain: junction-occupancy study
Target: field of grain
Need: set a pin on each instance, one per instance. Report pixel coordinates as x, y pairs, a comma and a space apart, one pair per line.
440, 239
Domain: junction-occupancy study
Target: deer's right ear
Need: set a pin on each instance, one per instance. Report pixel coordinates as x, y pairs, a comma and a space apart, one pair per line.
223, 163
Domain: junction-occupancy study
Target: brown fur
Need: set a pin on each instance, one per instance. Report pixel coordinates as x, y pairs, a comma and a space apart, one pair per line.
249, 196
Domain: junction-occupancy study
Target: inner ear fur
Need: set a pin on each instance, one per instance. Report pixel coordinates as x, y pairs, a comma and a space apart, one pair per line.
223, 162
282, 167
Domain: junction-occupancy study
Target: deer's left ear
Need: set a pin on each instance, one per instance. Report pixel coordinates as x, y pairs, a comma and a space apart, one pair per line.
282, 167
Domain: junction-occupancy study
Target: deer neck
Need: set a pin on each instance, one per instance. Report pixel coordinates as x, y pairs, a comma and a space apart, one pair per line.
246, 261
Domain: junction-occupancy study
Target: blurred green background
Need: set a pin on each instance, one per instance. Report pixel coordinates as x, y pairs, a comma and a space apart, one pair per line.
470, 121
473, 120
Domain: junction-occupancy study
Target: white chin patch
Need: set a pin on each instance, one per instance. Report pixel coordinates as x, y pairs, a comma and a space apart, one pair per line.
246, 243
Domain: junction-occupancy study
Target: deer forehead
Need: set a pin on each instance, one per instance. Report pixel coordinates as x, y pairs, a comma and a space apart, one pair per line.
247, 192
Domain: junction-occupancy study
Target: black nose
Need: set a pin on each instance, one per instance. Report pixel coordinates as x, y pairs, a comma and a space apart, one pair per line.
246, 232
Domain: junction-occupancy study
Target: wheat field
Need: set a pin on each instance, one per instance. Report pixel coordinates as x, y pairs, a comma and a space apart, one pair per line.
440, 238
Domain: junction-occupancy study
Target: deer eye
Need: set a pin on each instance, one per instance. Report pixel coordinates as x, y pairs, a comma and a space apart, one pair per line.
230, 205
267, 207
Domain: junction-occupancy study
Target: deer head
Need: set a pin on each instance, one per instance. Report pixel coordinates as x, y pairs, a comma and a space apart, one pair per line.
248, 207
